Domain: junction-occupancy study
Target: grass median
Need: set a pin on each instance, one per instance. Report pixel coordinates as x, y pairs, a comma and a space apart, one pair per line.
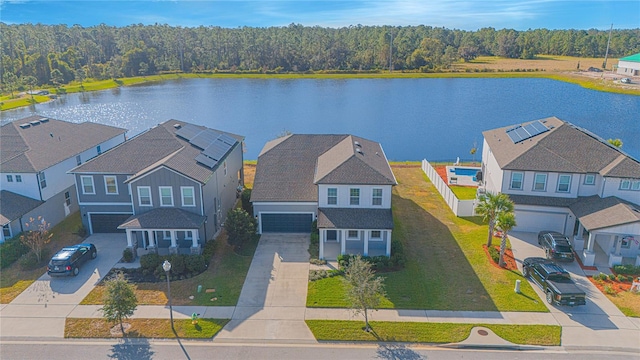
143, 328
435, 333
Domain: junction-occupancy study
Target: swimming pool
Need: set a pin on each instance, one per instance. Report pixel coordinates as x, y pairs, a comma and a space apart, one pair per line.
464, 171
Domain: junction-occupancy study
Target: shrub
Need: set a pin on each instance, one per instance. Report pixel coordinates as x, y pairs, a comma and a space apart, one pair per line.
195, 264
127, 255
81, 231
10, 251
612, 277
317, 261
321, 274
240, 227
609, 290
600, 277
149, 263
495, 254
621, 278
627, 269
630, 278
177, 264
246, 204
30, 261
208, 250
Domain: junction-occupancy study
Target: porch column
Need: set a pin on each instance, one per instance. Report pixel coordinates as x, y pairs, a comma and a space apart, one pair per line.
388, 243
580, 231
195, 246
343, 242
589, 257
365, 251
152, 240
129, 241
618, 243
174, 246
323, 236
590, 242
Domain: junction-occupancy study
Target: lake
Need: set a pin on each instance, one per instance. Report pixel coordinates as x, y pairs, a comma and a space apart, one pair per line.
436, 119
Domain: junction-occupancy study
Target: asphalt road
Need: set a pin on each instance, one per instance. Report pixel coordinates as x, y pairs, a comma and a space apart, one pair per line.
142, 349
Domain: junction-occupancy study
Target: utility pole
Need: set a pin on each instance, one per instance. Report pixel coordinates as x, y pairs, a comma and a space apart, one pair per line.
606, 54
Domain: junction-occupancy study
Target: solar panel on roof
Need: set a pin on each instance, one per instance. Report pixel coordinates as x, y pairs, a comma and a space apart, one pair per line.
188, 131
227, 139
206, 161
216, 150
204, 139
520, 133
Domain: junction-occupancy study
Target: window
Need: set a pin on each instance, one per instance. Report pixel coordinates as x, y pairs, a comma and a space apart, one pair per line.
626, 242
166, 196
78, 160
352, 235
67, 198
144, 196
9, 178
376, 235
6, 231
516, 181
625, 184
188, 235
166, 235
332, 235
635, 185
43, 181
87, 185
187, 196
589, 179
354, 196
540, 182
18, 178
224, 165
111, 185
377, 197
563, 183
332, 196
99, 149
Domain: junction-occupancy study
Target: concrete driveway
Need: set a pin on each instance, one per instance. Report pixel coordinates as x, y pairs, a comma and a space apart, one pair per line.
273, 300
41, 309
597, 322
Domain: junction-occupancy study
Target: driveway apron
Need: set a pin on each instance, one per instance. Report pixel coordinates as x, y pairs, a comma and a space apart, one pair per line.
41, 309
273, 298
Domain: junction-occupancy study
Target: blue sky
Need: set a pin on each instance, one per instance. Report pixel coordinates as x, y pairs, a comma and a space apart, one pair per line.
452, 14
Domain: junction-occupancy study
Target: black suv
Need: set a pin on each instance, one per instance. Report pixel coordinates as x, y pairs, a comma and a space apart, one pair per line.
68, 260
556, 246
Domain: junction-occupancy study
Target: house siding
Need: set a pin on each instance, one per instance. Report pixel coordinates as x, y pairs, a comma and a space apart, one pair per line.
492, 174
366, 196
165, 177
611, 187
100, 190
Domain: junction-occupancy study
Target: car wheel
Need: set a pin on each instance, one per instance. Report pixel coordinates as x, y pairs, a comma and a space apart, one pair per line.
525, 271
549, 297
75, 271
94, 255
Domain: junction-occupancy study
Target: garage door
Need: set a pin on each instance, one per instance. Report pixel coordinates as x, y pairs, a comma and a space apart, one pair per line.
107, 223
291, 223
534, 221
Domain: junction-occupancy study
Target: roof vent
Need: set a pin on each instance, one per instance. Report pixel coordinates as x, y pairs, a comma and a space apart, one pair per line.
357, 144
25, 125
34, 122
177, 126
359, 151
44, 120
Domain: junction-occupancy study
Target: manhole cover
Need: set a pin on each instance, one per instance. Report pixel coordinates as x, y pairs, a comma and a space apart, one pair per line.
483, 332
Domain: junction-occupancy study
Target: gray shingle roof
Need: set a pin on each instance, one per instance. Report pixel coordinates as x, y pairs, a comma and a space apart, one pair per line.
355, 218
41, 146
595, 212
159, 146
542, 200
565, 148
13, 205
164, 218
289, 168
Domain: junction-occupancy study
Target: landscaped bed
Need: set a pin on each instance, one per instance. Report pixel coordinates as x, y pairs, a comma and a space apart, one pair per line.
440, 333
446, 265
143, 328
618, 292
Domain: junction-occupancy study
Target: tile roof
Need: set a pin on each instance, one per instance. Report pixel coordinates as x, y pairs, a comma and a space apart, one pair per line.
634, 58
355, 218
563, 148
290, 168
164, 218
159, 146
595, 212
13, 205
40, 146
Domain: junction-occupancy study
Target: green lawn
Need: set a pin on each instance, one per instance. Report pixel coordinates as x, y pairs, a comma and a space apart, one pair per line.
446, 267
144, 328
441, 333
464, 192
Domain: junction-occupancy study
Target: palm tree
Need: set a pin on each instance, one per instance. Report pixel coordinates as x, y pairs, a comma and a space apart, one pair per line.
505, 222
490, 207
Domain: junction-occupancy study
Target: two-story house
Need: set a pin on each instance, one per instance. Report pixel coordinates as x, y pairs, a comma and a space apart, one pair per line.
168, 188
35, 154
565, 178
342, 181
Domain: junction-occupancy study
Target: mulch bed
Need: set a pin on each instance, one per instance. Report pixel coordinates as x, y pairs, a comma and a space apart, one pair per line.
509, 260
617, 286
442, 171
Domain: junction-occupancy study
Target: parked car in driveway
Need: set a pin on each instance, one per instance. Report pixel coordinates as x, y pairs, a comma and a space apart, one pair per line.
68, 260
555, 281
555, 245
625, 81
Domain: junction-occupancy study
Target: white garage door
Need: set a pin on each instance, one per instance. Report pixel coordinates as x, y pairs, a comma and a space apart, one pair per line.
534, 221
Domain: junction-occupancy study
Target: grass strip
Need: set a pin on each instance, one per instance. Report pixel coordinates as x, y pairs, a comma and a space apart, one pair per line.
440, 333
143, 328
464, 192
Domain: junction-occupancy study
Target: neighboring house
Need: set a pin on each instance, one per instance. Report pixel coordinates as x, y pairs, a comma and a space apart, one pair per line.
15, 211
630, 65
564, 178
36, 152
168, 188
342, 181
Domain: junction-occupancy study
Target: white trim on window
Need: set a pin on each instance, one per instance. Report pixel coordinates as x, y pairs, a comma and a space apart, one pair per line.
376, 197
113, 186
78, 160
354, 196
517, 179
183, 197
67, 198
564, 183
351, 236
540, 182
332, 196
18, 178
87, 188
376, 235
635, 185
165, 196
188, 235
147, 189
6, 231
42, 179
9, 178
590, 179
166, 235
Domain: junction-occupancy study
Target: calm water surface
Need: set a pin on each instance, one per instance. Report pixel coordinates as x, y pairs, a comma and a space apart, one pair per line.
436, 119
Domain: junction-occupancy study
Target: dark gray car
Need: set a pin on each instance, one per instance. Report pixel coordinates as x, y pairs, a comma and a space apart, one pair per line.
556, 246
68, 260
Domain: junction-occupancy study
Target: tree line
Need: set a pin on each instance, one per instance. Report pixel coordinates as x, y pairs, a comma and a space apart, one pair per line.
39, 54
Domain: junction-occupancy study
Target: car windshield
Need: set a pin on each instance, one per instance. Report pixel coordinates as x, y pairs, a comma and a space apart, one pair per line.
563, 248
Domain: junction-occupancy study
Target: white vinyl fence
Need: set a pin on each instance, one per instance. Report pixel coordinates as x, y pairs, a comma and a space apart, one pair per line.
459, 207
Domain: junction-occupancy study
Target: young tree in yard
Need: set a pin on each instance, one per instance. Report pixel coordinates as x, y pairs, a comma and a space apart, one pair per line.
240, 227
505, 222
36, 236
490, 207
119, 301
364, 289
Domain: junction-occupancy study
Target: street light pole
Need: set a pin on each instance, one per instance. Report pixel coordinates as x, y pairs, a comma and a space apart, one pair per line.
166, 266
